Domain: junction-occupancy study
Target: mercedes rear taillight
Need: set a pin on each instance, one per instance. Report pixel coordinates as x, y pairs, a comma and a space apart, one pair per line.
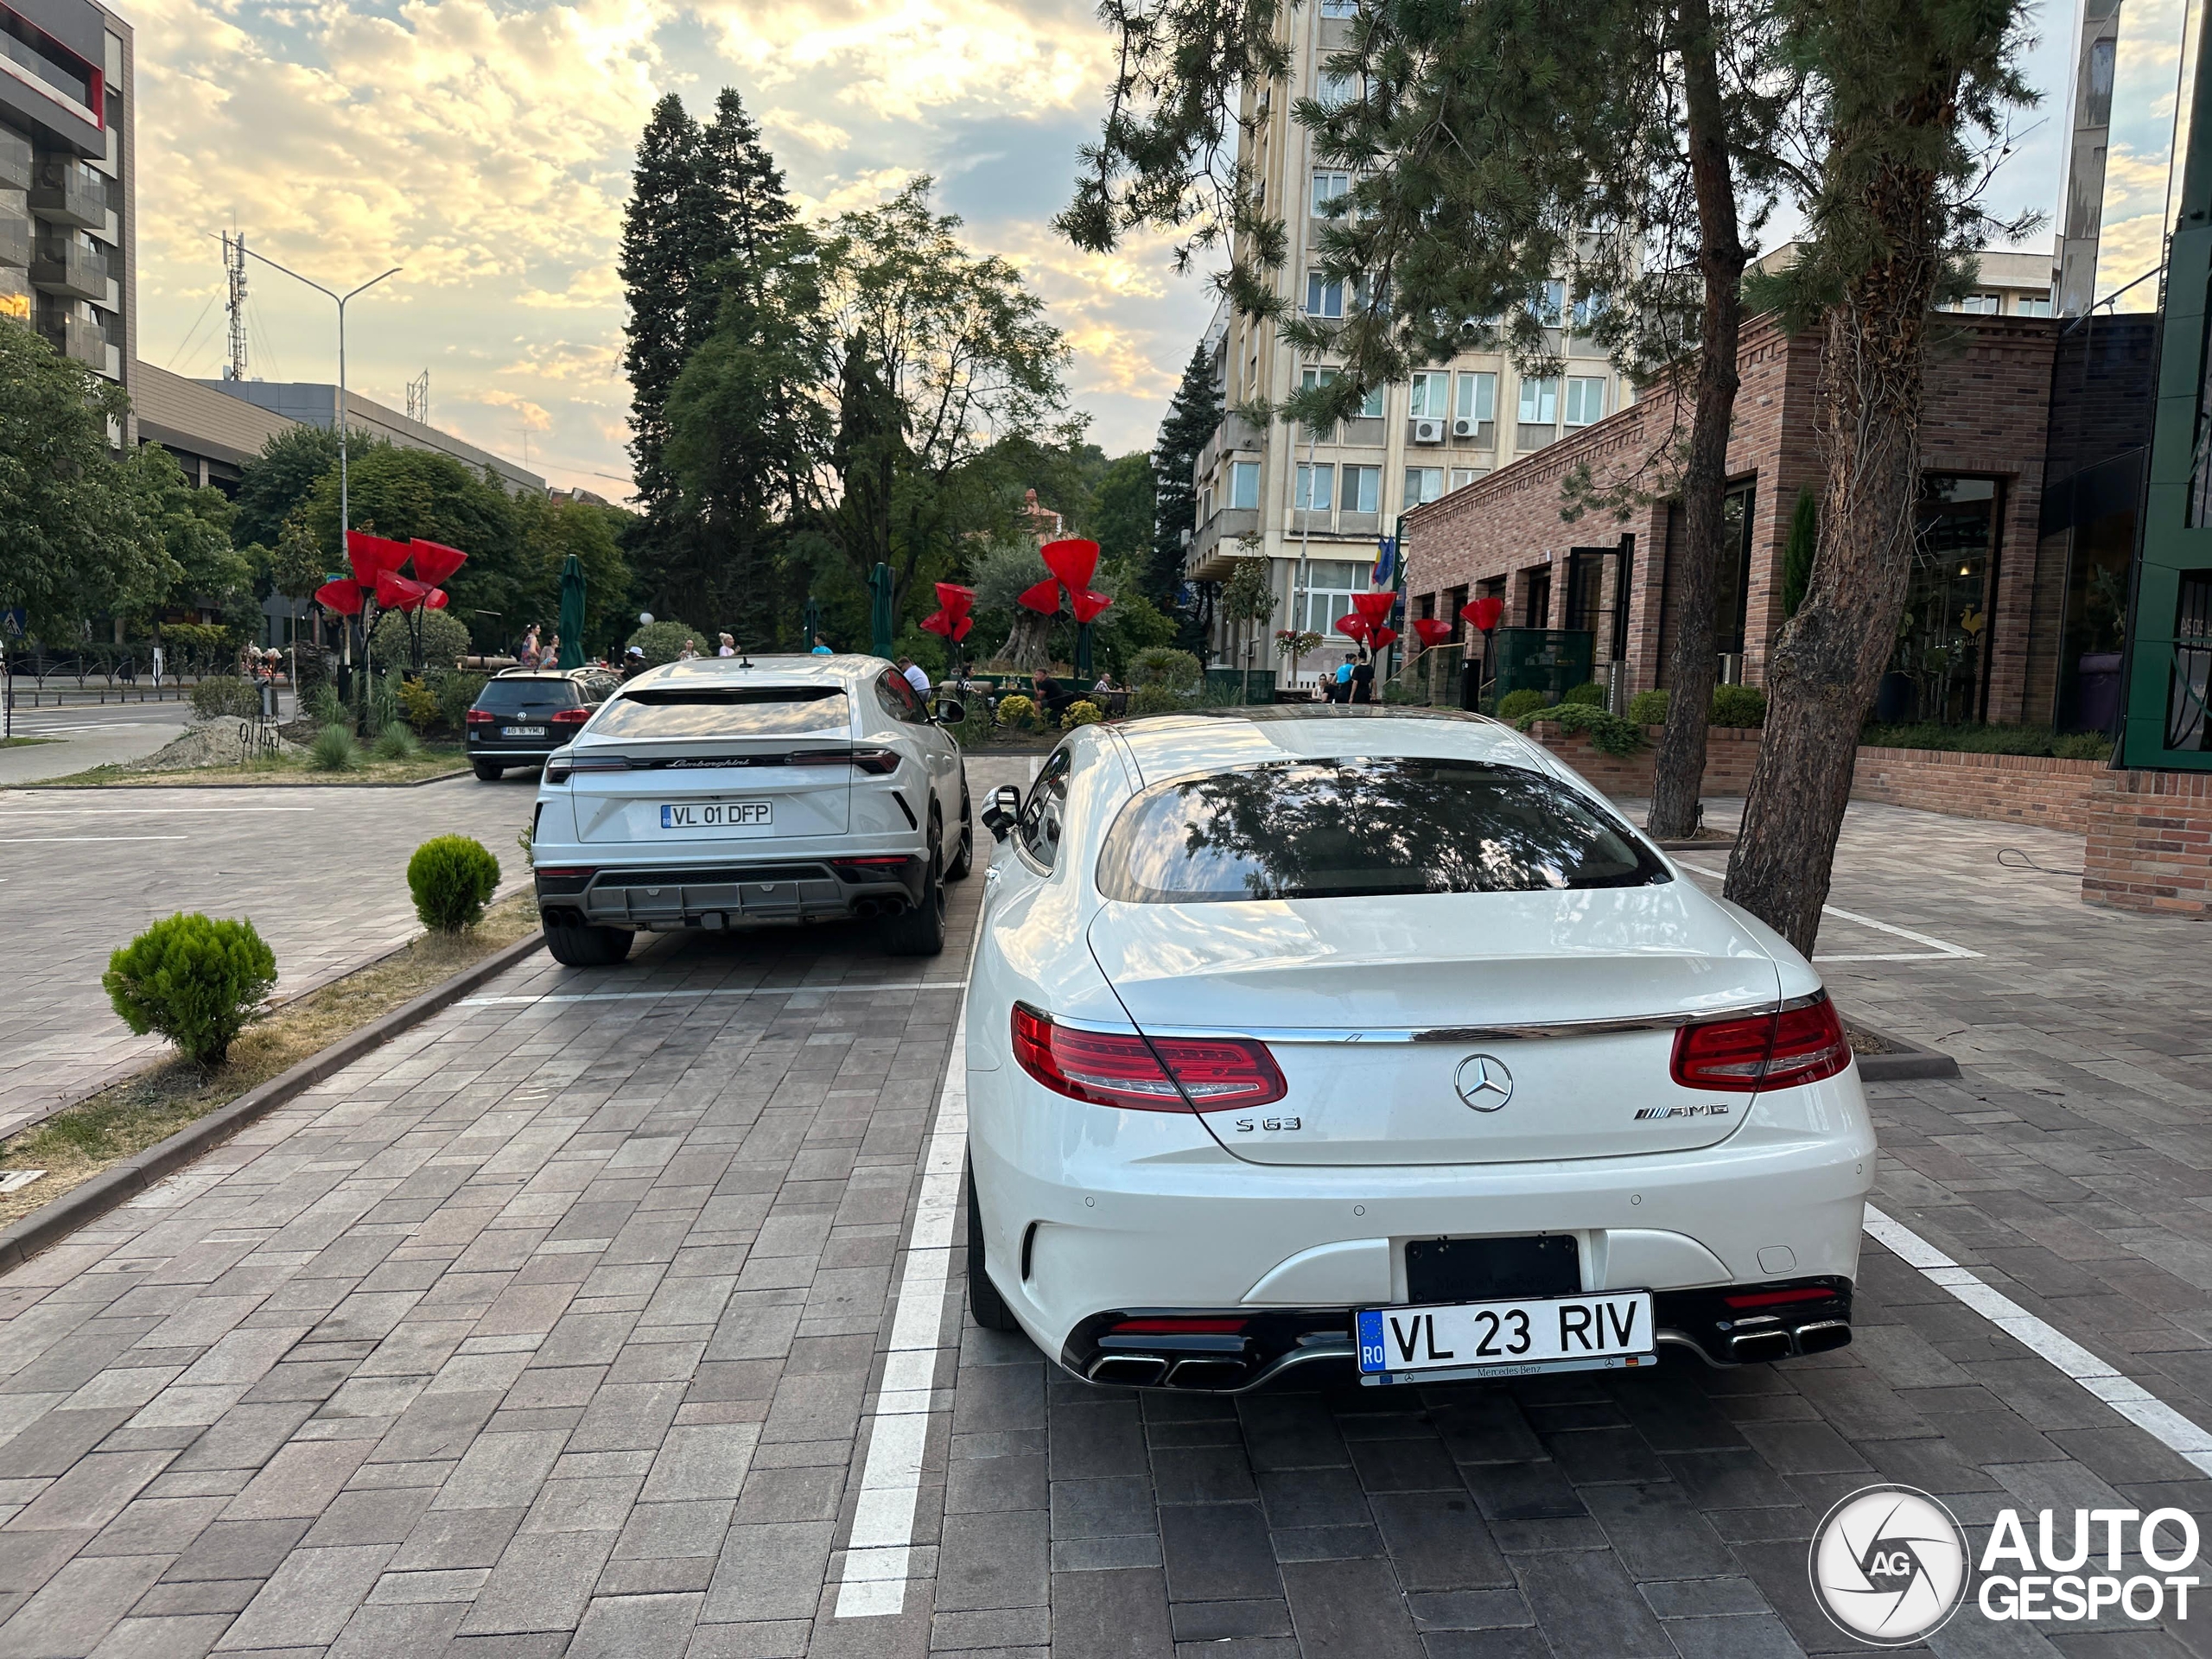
1164, 1074
1803, 1043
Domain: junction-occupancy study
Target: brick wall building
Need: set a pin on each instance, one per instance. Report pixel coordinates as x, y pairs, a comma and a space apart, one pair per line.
1984, 597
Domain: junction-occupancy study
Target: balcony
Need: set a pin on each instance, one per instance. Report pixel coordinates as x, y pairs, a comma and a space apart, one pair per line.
15, 161
65, 266
65, 190
1213, 547
1234, 433
15, 242
77, 336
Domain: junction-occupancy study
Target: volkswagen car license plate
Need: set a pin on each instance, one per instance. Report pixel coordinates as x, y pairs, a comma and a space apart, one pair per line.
1605, 1331
715, 815
521, 731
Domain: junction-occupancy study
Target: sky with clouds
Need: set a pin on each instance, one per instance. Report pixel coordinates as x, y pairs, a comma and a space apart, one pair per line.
485, 146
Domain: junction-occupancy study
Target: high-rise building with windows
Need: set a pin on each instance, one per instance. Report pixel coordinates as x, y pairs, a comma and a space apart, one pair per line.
67, 240
1316, 503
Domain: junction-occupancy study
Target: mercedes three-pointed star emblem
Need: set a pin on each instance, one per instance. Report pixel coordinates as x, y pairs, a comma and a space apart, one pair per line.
1483, 1081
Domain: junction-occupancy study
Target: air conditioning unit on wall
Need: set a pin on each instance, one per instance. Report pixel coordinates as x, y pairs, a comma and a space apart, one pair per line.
1428, 431
1464, 428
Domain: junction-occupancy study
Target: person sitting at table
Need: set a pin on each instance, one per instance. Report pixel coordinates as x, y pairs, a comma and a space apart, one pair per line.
1048, 693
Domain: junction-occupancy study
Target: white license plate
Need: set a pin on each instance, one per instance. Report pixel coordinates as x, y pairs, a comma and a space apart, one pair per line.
1556, 1334
521, 731
715, 815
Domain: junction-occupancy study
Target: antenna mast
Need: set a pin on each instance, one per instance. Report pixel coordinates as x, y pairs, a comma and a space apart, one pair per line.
234, 301
418, 398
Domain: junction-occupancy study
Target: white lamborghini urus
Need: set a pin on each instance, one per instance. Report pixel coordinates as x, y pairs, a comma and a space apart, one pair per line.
1371, 1040
727, 792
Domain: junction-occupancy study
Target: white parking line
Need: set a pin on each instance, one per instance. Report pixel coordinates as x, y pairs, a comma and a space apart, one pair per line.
878, 1555
25, 841
732, 991
7, 813
1937, 948
2123, 1394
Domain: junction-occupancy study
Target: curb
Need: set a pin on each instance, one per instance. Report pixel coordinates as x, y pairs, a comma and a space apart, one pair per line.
157, 781
1910, 1060
73, 1209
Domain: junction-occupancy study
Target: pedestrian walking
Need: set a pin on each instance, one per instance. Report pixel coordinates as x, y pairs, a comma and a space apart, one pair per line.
1362, 678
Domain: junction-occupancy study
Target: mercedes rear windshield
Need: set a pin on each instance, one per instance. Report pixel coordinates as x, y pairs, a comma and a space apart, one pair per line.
725, 711
1365, 826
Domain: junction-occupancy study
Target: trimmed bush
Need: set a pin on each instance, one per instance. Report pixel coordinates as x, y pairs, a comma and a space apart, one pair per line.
1081, 714
1649, 707
455, 693
333, 750
445, 641
225, 697
1990, 740
451, 877
1607, 733
397, 742
1155, 700
1179, 671
1018, 711
663, 642
418, 704
1515, 705
2082, 745
1739, 705
1589, 693
195, 980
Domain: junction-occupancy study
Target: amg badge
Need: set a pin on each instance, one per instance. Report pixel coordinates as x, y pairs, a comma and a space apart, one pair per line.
1706, 1108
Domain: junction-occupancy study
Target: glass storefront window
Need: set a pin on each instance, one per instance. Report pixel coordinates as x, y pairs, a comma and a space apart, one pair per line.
1938, 671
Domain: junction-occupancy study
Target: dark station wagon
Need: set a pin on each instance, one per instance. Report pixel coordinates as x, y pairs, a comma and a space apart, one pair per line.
524, 715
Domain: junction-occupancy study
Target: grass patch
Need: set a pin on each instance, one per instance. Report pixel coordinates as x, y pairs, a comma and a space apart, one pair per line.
75, 1144
24, 742
443, 761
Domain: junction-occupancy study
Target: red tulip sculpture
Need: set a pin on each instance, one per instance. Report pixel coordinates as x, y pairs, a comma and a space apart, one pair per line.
376, 585
1484, 613
1072, 562
1431, 631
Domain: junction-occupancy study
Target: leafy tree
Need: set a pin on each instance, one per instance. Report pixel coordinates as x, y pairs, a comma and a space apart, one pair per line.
1192, 418
403, 493
546, 532
194, 525
78, 536
1121, 520
273, 485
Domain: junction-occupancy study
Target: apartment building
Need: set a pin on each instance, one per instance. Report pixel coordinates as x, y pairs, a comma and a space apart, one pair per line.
68, 238
1322, 501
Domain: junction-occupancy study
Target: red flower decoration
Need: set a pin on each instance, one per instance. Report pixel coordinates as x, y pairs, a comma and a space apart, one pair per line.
434, 561
950, 619
435, 600
343, 597
1433, 630
1374, 608
1383, 637
1353, 627
1072, 562
397, 592
373, 556
1484, 613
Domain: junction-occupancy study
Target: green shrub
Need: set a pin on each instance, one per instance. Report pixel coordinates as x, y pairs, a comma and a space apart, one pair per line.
383, 710
1609, 734
2082, 745
397, 742
1739, 705
418, 704
1179, 671
323, 707
445, 641
1649, 707
663, 642
1516, 704
456, 692
1081, 714
225, 697
1155, 700
1589, 692
311, 672
193, 980
333, 750
1989, 739
451, 877
1018, 711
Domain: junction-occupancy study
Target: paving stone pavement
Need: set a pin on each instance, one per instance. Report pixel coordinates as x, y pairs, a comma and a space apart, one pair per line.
557, 1328
322, 872
82, 735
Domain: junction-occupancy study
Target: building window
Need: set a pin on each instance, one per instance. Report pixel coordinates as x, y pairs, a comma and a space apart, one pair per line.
1432, 391
1986, 305
1324, 295
1587, 310
1540, 401
1548, 304
1423, 484
1585, 399
1478, 398
1362, 489
1328, 188
1244, 483
1371, 407
1462, 476
1334, 91
2031, 305
1338, 8
1938, 672
1317, 486
1329, 584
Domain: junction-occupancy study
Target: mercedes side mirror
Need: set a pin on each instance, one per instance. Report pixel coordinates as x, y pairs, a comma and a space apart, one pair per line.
950, 711
1005, 808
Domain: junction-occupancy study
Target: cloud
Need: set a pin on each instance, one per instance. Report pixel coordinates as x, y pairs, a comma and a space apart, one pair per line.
808, 129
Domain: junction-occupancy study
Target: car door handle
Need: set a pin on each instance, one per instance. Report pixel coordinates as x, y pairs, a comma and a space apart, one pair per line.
991, 874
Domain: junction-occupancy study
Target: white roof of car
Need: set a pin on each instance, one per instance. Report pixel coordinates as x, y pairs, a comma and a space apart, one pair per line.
1165, 746
736, 670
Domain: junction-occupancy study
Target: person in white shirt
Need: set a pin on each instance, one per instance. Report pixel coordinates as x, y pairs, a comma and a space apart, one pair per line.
916, 676
729, 647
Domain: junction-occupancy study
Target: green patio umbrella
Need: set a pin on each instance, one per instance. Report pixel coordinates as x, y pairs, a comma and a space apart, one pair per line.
572, 611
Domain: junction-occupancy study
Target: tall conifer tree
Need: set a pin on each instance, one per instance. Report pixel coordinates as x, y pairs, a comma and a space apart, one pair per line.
657, 271
1190, 420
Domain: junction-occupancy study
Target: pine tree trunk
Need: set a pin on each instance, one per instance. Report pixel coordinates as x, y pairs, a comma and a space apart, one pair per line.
1027, 642
1825, 666
1678, 770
